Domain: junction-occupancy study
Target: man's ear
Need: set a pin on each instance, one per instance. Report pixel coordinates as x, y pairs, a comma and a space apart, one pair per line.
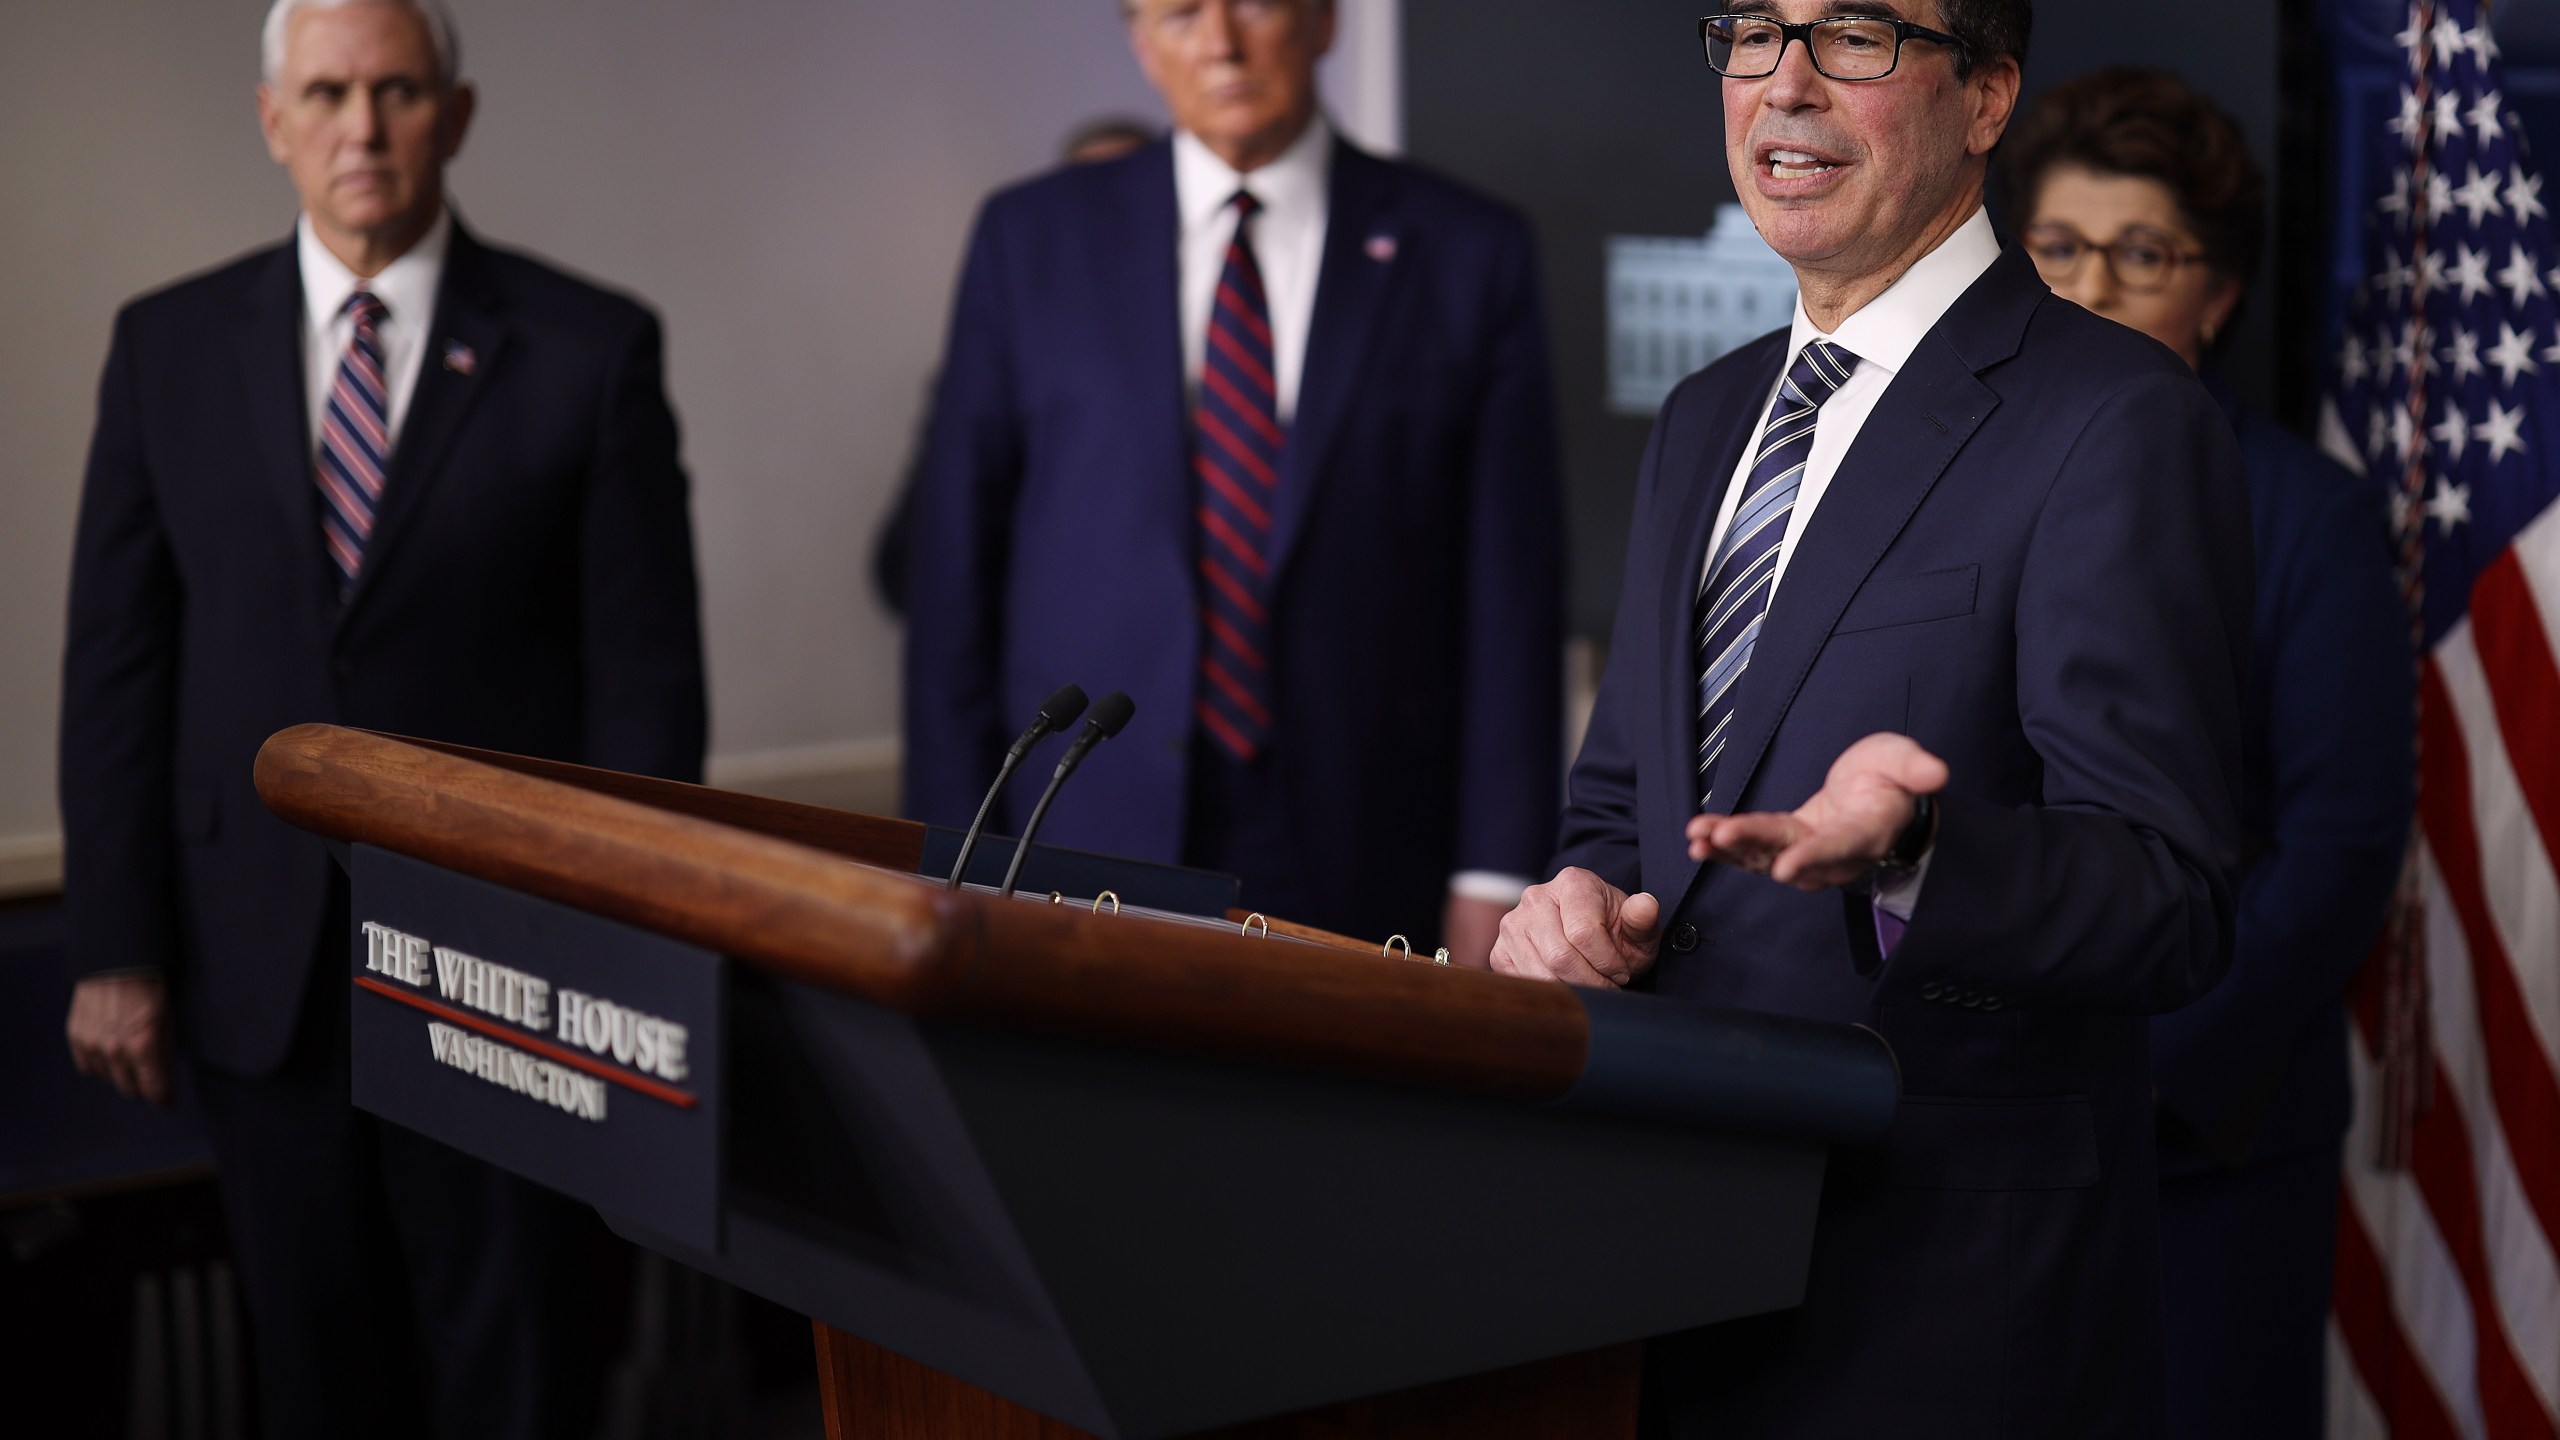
460, 105
267, 122
1996, 83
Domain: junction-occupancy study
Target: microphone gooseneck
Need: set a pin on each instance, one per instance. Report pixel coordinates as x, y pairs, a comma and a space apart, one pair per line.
1056, 713
1110, 713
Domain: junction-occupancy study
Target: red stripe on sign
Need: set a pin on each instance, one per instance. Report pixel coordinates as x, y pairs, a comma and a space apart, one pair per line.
2515, 653
535, 1043
2521, 1088
1254, 414
2393, 1375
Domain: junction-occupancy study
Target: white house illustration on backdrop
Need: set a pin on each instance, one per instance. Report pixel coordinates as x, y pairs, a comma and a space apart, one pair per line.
1675, 304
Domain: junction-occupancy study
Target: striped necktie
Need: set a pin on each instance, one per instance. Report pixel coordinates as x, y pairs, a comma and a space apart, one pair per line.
1735, 598
1235, 457
355, 441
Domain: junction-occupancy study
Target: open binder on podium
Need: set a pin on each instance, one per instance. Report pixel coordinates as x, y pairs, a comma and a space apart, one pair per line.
1037, 1168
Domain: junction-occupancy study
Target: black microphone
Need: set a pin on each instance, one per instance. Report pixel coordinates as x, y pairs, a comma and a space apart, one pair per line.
1056, 713
1110, 713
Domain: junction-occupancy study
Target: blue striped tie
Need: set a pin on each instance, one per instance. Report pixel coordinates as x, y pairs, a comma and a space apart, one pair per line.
1236, 459
355, 441
1735, 598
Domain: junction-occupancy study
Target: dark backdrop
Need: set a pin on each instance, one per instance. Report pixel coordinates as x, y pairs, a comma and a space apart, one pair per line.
1603, 120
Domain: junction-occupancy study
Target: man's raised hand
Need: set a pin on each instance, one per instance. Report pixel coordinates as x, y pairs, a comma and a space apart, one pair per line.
1839, 834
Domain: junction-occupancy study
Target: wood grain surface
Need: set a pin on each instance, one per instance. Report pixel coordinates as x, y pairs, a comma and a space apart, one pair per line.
678, 860
869, 1393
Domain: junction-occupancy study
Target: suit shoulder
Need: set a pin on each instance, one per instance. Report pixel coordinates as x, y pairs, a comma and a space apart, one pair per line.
1436, 198
206, 292
2065, 344
2293, 484
536, 288
1065, 191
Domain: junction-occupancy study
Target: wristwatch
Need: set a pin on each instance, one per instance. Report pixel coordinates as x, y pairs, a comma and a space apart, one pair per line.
1913, 840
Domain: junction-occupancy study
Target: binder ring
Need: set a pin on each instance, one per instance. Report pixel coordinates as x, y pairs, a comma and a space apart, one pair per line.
1440, 956
1256, 918
1106, 895
1395, 943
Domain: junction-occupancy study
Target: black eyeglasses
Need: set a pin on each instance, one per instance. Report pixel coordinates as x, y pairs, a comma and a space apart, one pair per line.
1844, 47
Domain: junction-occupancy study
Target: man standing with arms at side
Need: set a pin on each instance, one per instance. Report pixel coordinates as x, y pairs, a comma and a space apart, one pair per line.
386, 476
1258, 428
1936, 616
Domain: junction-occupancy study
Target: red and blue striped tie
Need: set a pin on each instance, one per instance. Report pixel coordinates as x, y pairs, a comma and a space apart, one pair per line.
1235, 455
355, 441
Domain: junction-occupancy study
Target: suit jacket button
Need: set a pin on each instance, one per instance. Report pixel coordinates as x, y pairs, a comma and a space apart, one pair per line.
1990, 1002
1684, 938
1971, 1000
1932, 990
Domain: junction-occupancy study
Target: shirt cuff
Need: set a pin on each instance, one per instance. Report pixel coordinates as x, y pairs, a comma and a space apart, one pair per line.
1899, 894
1490, 885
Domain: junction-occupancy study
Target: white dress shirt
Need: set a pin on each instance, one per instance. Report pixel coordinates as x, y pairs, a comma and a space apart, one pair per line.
407, 289
1882, 333
1288, 243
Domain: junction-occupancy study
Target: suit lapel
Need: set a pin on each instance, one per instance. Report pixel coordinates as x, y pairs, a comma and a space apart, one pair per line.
1360, 263
467, 322
1725, 430
277, 413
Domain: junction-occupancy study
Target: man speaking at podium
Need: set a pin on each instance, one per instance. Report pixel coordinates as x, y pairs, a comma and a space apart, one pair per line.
386, 476
1923, 713
1258, 428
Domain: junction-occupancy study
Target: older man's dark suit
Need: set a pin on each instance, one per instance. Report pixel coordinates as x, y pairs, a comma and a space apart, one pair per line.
2035, 561
1416, 541
529, 587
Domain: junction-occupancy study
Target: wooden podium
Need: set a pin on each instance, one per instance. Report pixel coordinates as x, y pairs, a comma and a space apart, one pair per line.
1039, 1169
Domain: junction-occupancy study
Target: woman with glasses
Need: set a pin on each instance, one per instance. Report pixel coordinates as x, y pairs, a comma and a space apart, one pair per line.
2138, 199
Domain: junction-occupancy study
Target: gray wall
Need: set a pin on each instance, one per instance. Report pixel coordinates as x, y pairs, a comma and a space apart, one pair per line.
788, 181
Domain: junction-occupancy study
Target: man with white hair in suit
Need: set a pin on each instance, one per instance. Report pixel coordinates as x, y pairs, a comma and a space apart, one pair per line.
381, 475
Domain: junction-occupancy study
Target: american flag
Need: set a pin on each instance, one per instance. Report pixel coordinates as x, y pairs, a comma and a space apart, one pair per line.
2446, 1319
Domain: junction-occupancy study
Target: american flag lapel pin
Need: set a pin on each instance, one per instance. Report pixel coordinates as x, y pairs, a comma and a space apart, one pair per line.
1382, 248
459, 359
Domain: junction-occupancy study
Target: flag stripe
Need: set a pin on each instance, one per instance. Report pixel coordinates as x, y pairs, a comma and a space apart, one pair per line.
2521, 890
2516, 660
2520, 1078
2396, 1380
2523, 1274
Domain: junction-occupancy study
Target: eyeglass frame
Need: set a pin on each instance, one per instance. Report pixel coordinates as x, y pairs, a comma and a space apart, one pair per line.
2178, 257
1801, 33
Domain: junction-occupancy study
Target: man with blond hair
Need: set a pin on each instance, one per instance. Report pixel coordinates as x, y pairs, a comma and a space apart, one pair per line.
387, 476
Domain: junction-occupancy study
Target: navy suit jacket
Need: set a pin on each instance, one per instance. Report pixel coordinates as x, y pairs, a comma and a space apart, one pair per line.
1416, 536
2034, 560
2258, 1069
529, 587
